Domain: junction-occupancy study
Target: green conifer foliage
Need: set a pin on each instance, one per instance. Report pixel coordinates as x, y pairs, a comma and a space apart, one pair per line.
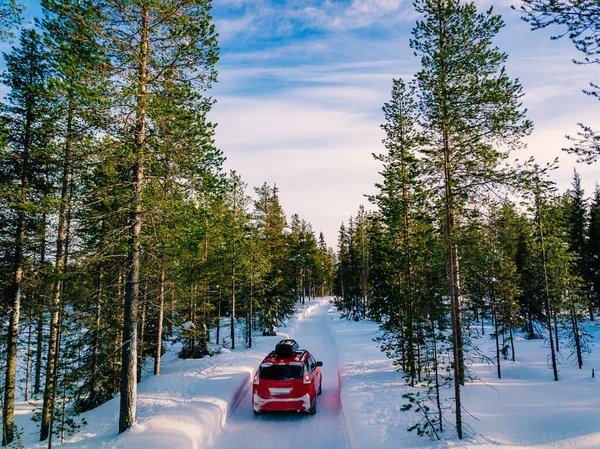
28, 126
594, 247
468, 105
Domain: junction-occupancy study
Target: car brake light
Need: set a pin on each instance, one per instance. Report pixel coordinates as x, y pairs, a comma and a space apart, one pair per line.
256, 379
306, 379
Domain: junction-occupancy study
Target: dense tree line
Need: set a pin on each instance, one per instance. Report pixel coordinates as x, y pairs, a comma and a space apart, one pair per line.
119, 230
458, 236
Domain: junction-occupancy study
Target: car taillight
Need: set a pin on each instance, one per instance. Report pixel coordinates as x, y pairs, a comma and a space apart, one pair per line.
256, 379
306, 379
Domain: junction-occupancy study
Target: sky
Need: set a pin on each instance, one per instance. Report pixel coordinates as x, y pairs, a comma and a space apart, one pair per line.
302, 82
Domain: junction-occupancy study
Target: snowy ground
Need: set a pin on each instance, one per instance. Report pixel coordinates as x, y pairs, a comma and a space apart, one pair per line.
185, 407
206, 403
524, 409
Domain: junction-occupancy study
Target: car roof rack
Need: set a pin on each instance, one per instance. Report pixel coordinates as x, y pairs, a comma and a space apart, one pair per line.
285, 348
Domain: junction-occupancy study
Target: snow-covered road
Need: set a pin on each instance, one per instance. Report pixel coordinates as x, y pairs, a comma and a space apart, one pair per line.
292, 430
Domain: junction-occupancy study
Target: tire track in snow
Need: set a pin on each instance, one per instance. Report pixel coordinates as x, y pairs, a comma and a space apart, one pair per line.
326, 430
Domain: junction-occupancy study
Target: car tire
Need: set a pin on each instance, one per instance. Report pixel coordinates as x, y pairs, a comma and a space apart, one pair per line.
313, 409
256, 412
320, 387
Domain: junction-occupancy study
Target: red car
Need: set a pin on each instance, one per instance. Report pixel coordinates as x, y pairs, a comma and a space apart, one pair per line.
288, 379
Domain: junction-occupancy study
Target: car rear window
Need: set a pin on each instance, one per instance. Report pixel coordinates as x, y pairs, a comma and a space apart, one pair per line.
280, 372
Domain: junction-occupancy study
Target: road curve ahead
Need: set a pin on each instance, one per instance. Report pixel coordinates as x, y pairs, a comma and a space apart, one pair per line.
324, 430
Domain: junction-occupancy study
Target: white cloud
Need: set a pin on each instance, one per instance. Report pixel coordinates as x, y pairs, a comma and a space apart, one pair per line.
358, 14
362, 13
319, 156
229, 28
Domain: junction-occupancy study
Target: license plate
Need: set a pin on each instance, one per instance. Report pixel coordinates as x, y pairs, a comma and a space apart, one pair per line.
275, 391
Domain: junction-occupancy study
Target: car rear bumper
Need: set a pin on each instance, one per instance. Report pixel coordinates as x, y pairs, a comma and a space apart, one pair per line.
301, 404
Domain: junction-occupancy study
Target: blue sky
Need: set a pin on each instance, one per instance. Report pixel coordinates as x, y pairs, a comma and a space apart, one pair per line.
302, 83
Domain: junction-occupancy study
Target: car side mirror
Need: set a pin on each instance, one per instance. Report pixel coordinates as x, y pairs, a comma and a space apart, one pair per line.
319, 363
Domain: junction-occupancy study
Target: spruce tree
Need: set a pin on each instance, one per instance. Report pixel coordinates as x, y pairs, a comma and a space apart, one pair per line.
277, 297
593, 247
401, 203
576, 223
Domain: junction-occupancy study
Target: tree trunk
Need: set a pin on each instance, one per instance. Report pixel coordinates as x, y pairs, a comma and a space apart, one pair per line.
96, 342
497, 343
454, 294
39, 338
127, 410
55, 377
547, 292
8, 409
512, 342
8, 412
28, 362
39, 347
52, 360
407, 274
140, 364
556, 340
233, 261
438, 401
159, 324
171, 319
219, 316
251, 297
576, 334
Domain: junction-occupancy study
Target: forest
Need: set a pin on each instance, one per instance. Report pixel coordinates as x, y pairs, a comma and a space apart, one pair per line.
463, 231
121, 232
119, 225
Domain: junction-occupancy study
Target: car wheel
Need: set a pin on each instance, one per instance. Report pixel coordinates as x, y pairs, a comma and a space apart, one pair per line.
320, 387
313, 409
256, 412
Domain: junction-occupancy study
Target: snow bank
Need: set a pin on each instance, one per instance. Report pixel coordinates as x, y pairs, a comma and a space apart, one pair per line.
370, 387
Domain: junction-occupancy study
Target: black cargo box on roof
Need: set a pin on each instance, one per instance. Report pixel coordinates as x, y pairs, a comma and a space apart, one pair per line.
286, 347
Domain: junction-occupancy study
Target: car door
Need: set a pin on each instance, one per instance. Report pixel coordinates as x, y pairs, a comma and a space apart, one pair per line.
315, 373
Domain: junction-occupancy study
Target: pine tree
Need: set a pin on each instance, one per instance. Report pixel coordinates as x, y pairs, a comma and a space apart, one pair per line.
175, 45
10, 16
28, 122
467, 103
77, 63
